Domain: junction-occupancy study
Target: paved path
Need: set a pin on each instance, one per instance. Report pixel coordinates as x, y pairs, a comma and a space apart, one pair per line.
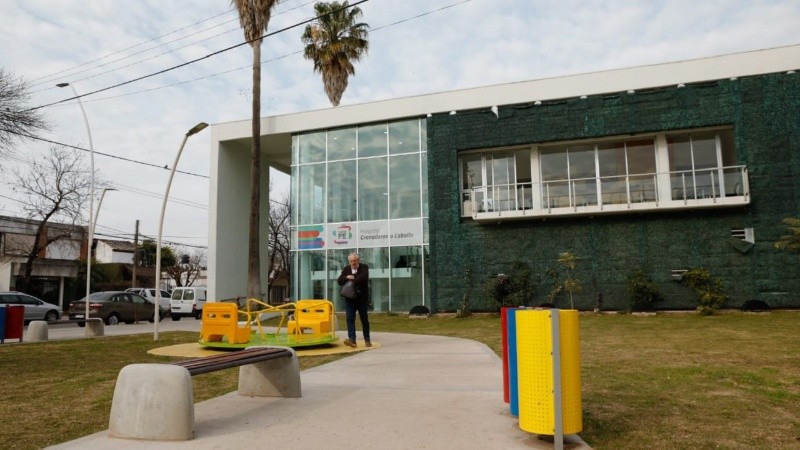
414, 392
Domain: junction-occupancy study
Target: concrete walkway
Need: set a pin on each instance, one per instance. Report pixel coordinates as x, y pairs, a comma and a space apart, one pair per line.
414, 392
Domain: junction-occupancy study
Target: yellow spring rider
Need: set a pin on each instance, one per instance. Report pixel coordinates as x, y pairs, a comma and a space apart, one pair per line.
303, 323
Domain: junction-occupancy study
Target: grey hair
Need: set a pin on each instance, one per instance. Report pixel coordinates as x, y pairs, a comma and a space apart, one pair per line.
354, 254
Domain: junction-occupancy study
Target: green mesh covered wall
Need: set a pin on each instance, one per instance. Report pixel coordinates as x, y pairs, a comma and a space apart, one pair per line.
765, 114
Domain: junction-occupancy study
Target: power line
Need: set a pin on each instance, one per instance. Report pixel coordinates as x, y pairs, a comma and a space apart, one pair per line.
169, 69
266, 61
153, 48
37, 82
165, 167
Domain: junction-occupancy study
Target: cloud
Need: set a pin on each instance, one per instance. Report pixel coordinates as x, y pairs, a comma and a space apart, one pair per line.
477, 43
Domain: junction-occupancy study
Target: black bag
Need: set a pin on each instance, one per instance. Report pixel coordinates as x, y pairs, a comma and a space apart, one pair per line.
348, 290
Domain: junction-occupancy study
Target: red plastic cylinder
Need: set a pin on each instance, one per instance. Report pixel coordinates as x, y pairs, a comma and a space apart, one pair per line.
504, 344
15, 322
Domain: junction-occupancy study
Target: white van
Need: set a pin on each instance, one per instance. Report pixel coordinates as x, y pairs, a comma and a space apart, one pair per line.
150, 294
187, 301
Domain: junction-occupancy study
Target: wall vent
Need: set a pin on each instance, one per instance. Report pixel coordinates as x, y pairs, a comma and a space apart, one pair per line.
745, 234
677, 274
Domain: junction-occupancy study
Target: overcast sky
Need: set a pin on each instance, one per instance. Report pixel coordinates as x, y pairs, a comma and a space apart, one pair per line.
416, 47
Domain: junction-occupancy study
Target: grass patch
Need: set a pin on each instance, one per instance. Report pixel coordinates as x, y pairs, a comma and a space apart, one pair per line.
669, 381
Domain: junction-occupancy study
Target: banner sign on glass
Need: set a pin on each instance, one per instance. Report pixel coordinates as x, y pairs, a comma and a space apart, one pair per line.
341, 235
405, 232
373, 234
310, 237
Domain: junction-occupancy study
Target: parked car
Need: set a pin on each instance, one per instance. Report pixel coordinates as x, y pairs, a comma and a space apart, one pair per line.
150, 294
187, 302
114, 307
35, 309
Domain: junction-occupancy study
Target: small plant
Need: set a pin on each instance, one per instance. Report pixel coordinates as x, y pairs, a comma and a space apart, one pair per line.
464, 311
791, 241
571, 284
642, 292
709, 290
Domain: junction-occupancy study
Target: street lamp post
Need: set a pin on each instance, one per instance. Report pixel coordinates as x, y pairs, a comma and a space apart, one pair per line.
91, 201
97, 211
194, 130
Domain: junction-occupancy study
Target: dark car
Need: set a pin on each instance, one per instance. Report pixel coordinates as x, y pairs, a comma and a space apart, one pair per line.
35, 309
113, 307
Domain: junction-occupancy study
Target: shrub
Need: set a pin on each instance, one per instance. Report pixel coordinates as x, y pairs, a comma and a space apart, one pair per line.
518, 288
642, 292
419, 310
709, 290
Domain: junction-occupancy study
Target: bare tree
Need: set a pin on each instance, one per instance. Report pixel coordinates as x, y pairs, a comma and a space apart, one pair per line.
279, 243
187, 267
16, 120
54, 190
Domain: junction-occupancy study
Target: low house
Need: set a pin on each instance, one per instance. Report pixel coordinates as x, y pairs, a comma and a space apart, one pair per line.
55, 267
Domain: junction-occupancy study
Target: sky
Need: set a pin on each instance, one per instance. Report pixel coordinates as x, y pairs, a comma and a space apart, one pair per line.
416, 47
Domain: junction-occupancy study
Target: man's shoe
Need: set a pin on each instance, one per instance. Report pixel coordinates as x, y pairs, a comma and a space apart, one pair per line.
350, 343
368, 343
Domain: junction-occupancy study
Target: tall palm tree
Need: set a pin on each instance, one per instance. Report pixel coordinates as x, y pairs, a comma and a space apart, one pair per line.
334, 42
254, 18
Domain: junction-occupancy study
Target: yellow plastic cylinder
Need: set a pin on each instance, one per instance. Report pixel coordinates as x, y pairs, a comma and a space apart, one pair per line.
535, 371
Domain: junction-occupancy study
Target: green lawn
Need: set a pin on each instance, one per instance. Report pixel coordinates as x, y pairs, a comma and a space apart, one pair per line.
669, 381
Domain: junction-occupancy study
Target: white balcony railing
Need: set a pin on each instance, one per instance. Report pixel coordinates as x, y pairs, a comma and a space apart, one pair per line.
719, 186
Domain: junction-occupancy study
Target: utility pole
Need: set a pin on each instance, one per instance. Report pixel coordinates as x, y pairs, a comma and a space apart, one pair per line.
135, 253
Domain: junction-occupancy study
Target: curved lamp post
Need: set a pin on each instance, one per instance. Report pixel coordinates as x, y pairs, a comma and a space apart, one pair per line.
194, 130
97, 211
91, 201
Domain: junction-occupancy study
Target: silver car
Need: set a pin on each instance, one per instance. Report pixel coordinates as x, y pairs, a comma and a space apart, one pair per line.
35, 309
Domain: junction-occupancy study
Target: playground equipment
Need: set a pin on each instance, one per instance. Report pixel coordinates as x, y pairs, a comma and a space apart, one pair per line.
301, 324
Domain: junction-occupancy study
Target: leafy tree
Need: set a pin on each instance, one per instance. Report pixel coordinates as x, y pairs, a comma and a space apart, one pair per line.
148, 249
334, 42
16, 120
791, 241
254, 18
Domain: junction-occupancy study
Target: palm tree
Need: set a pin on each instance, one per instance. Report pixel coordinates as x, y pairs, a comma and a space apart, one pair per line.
334, 42
254, 18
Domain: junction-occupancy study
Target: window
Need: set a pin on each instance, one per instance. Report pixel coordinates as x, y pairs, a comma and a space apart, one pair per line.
697, 164
341, 144
661, 170
342, 191
373, 189
374, 175
404, 180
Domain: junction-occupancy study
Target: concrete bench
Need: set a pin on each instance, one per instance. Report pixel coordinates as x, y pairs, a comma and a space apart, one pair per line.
155, 401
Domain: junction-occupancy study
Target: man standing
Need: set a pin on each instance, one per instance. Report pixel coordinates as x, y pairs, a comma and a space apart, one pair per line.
358, 274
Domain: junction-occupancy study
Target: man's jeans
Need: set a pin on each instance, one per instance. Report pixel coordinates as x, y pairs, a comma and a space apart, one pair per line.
350, 308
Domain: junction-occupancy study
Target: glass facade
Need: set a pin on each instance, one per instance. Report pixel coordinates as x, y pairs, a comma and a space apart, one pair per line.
362, 189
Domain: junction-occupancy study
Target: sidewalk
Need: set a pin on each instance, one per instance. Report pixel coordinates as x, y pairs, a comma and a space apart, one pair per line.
413, 392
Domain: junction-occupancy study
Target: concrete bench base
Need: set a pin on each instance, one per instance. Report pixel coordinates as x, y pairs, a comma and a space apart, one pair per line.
37, 331
94, 327
155, 401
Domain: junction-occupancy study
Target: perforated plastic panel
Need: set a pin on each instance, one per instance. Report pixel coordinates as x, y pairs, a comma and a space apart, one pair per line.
535, 371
